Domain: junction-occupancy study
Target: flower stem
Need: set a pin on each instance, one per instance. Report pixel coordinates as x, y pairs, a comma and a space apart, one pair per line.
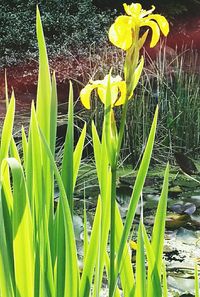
112, 232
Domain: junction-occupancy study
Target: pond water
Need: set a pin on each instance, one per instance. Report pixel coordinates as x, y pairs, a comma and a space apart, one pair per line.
182, 236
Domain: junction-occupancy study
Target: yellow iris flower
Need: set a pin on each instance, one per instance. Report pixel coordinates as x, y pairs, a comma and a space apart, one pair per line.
118, 91
121, 33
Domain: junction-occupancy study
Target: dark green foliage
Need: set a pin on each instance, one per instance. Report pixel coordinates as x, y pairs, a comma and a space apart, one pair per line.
168, 7
67, 24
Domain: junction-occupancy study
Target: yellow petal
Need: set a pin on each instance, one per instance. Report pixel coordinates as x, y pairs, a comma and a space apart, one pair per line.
155, 31
133, 9
116, 79
147, 12
133, 245
114, 94
162, 22
120, 33
102, 93
122, 89
85, 95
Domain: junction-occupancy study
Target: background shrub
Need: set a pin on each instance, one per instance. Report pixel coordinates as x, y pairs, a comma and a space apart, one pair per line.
168, 7
67, 24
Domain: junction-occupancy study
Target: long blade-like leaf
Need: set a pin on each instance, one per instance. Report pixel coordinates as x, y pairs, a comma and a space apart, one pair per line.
7, 129
77, 154
153, 281
22, 228
67, 164
140, 266
139, 183
53, 117
44, 83
7, 283
159, 224
92, 253
71, 270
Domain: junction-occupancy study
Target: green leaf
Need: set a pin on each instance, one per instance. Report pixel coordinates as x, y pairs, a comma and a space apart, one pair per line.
153, 281
37, 169
140, 266
23, 250
7, 129
196, 281
92, 254
44, 83
159, 224
110, 127
78, 154
53, 117
104, 177
13, 150
71, 278
126, 271
24, 146
97, 151
43, 112
86, 241
137, 189
7, 284
165, 290
67, 163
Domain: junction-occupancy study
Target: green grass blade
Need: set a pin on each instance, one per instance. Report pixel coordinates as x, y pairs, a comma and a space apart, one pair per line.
159, 224
78, 154
165, 289
153, 281
67, 164
22, 228
137, 189
7, 283
6, 137
92, 254
97, 151
140, 266
117, 292
71, 271
196, 281
37, 168
46, 268
43, 113
24, 146
104, 177
7, 129
86, 240
126, 271
60, 251
13, 150
44, 83
28, 166
53, 117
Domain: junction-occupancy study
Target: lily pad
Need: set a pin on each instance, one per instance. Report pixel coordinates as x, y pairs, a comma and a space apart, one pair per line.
175, 189
175, 221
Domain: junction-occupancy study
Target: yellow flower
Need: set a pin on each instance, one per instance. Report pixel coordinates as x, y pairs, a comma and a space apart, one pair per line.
118, 91
122, 32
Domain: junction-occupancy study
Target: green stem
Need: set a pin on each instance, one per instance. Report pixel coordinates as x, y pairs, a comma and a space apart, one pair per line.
112, 232
132, 56
121, 129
